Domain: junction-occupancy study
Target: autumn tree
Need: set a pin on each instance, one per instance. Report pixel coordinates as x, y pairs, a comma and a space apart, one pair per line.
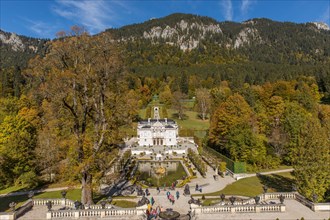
219, 95
203, 100
233, 112
50, 140
311, 160
294, 119
17, 144
165, 96
184, 83
233, 132
277, 137
164, 111
324, 117
245, 145
83, 76
177, 103
148, 112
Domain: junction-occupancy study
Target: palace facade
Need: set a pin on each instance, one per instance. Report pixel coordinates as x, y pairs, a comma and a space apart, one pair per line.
156, 131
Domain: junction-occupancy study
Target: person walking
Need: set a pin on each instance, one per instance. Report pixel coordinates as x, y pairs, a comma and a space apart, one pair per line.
172, 198
177, 195
158, 209
158, 189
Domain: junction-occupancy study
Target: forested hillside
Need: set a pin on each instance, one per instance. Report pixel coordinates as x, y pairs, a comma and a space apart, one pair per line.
15, 52
255, 51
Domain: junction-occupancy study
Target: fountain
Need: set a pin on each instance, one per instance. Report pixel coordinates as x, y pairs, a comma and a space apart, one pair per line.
169, 214
154, 173
160, 170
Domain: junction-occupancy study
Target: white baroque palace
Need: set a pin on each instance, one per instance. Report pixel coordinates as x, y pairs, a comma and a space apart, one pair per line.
156, 131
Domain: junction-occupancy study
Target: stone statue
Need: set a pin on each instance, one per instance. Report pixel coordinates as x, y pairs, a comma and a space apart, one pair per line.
143, 201
186, 190
156, 113
139, 191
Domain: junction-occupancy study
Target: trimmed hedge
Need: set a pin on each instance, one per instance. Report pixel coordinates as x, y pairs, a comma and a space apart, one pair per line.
197, 160
235, 167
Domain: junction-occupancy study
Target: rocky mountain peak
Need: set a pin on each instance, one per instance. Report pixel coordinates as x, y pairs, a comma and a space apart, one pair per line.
13, 40
181, 33
245, 36
321, 25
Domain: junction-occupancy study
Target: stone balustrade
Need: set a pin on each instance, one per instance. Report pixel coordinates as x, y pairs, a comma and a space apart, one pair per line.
92, 211
275, 195
7, 215
250, 206
238, 209
69, 203
60, 214
272, 208
120, 212
40, 202
304, 201
321, 207
27, 206
244, 208
65, 202
100, 213
100, 207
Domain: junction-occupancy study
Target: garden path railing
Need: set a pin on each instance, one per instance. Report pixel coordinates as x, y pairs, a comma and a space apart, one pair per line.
251, 206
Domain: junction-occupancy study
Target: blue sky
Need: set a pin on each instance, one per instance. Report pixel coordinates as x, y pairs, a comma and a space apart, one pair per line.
44, 18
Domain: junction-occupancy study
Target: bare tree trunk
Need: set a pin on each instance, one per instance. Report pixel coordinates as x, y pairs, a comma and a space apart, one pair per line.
86, 188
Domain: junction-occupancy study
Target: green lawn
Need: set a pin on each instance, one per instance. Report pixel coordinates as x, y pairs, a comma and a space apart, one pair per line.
51, 185
209, 202
192, 121
4, 201
281, 167
73, 194
12, 189
252, 186
124, 203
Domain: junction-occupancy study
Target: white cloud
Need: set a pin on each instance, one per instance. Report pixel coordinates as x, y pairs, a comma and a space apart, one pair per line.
245, 6
41, 28
227, 8
326, 16
95, 15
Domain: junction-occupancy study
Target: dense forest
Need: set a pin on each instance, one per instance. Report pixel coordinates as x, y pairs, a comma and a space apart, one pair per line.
62, 106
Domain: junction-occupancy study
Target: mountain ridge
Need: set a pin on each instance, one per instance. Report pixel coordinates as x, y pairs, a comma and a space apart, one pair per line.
255, 49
